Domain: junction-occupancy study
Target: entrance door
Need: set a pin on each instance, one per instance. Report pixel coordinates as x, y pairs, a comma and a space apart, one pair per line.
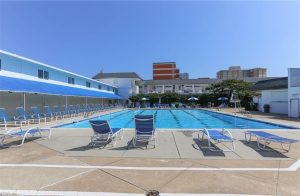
295, 108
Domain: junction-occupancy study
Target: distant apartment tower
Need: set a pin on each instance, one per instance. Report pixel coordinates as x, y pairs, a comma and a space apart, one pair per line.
235, 72
184, 76
165, 71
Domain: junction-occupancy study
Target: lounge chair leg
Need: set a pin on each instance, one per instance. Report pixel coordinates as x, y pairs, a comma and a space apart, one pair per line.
209, 144
233, 146
286, 150
133, 142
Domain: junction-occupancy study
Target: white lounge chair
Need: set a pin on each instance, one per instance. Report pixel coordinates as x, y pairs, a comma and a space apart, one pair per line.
218, 137
18, 132
267, 138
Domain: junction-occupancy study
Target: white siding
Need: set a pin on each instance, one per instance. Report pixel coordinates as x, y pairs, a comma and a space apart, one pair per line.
294, 88
126, 86
277, 99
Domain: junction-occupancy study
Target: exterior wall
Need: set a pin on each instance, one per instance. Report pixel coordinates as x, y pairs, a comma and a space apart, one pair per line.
14, 100
178, 88
165, 71
293, 90
277, 99
163, 77
184, 76
15, 66
235, 72
126, 86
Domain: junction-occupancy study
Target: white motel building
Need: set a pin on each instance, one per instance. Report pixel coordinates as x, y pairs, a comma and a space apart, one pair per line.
25, 82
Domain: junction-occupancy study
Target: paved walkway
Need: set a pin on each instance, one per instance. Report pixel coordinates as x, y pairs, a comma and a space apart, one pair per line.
179, 164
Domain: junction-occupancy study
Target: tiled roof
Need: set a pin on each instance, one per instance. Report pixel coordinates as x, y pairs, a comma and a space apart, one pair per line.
277, 83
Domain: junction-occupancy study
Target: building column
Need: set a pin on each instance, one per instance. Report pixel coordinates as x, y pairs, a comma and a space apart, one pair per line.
24, 101
163, 88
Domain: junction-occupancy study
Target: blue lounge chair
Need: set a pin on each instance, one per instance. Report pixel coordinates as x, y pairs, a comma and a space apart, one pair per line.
267, 138
36, 114
144, 129
67, 110
22, 115
219, 137
59, 112
18, 132
72, 110
50, 114
103, 133
80, 110
6, 119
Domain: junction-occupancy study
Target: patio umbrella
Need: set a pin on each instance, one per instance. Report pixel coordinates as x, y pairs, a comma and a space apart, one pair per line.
222, 98
145, 99
193, 99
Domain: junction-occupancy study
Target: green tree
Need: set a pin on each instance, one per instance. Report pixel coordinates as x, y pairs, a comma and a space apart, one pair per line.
228, 87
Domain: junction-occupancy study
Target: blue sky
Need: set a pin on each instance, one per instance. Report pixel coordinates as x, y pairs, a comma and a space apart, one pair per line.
202, 37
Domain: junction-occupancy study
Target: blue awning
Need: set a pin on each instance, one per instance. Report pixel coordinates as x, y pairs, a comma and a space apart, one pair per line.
28, 86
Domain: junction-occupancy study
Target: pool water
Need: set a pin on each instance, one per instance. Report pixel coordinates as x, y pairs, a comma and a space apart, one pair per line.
180, 119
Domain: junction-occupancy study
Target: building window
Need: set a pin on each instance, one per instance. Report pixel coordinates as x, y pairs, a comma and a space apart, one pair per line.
46, 75
295, 77
43, 74
71, 80
40, 74
88, 84
99, 87
107, 88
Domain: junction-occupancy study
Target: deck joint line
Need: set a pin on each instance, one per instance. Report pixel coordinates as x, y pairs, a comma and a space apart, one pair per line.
176, 145
294, 167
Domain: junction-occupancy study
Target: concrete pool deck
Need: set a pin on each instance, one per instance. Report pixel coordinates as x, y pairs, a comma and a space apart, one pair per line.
179, 164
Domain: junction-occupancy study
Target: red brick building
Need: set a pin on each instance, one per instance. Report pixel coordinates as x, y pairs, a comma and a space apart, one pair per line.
165, 71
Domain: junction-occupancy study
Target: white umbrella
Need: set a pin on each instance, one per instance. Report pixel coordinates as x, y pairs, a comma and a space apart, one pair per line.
193, 99
145, 99
222, 98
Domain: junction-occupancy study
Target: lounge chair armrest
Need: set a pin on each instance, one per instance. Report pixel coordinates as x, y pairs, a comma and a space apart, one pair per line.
228, 133
19, 118
35, 116
10, 131
206, 132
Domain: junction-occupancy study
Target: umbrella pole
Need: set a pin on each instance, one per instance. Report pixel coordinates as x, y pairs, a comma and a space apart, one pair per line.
24, 101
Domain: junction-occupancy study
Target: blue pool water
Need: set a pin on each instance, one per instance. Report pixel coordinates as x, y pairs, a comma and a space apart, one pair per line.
180, 119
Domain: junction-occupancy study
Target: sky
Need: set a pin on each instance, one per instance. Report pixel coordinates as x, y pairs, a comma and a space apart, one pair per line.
202, 37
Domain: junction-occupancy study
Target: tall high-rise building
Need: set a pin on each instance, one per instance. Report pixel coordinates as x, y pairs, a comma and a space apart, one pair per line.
165, 71
235, 72
184, 76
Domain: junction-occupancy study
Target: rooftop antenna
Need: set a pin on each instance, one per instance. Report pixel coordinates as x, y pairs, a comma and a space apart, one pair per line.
101, 70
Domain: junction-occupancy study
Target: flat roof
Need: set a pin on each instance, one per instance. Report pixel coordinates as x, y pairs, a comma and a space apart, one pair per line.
52, 67
117, 75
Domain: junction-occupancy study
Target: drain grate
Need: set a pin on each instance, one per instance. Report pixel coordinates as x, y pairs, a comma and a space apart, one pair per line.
152, 193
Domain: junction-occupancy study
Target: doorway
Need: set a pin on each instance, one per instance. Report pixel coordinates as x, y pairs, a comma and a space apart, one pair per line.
295, 108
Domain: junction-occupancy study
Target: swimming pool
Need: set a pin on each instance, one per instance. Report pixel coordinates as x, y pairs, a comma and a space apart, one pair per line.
180, 119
